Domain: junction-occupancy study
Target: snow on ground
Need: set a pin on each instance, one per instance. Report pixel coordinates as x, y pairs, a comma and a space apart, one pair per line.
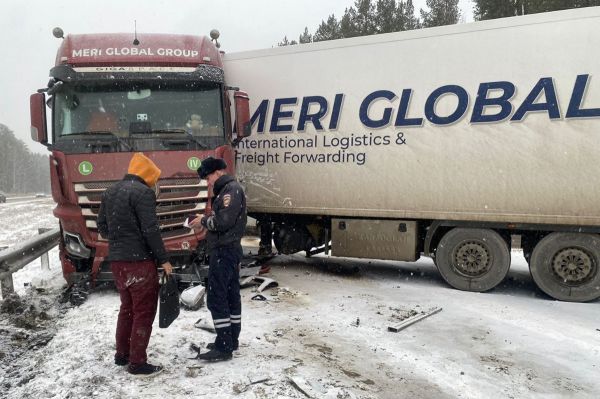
20, 220
512, 342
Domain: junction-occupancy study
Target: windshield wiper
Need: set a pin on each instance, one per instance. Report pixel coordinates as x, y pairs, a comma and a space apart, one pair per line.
109, 133
104, 133
185, 133
180, 131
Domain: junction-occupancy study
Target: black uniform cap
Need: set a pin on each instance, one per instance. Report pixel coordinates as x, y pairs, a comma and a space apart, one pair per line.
209, 165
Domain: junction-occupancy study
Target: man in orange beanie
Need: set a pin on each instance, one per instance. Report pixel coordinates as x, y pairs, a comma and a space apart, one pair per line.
127, 218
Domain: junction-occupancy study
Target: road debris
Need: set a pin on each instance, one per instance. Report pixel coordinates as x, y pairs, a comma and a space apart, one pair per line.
253, 380
262, 282
310, 389
192, 298
205, 324
259, 297
412, 320
196, 349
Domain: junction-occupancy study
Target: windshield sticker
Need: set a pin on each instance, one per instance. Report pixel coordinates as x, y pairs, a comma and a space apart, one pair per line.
85, 168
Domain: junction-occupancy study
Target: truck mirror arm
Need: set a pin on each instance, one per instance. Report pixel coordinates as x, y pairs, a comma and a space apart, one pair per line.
56, 87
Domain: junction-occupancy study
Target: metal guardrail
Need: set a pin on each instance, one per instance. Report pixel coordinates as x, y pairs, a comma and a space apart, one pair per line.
15, 258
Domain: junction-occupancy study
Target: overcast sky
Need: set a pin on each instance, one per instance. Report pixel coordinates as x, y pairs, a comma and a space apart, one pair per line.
29, 49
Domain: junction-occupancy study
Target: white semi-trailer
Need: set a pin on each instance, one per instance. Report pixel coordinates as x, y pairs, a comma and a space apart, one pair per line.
441, 142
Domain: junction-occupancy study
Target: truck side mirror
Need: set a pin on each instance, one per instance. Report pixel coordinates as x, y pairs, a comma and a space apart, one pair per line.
37, 106
242, 114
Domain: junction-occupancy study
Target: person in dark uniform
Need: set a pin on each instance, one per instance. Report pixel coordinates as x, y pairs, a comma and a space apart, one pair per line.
225, 227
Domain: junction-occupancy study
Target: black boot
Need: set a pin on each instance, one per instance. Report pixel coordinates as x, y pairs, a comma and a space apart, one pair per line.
212, 345
144, 370
215, 355
224, 341
121, 360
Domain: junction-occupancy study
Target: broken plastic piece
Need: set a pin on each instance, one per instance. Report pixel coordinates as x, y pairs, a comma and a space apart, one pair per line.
205, 324
192, 298
249, 271
264, 283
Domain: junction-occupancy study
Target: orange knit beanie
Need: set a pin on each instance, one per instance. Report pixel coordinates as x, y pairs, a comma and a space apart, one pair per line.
140, 165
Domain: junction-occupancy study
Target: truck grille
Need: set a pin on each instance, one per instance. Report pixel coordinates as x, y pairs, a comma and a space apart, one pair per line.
177, 198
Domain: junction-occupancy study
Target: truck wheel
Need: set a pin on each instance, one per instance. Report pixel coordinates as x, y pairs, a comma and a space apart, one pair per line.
565, 266
473, 259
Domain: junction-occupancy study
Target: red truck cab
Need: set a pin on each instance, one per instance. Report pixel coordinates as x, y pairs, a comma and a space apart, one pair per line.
111, 95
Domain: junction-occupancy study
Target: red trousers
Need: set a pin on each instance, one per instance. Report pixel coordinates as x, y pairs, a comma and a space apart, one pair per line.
137, 283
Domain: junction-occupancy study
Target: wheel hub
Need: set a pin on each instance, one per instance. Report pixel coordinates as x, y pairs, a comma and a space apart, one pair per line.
472, 259
573, 265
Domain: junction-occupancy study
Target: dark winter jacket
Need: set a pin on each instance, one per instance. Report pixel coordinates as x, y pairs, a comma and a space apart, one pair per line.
227, 222
128, 219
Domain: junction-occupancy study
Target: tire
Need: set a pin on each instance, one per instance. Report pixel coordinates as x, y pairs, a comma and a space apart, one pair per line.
473, 259
566, 266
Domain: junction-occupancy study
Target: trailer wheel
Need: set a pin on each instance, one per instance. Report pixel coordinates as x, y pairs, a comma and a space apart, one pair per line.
566, 266
473, 259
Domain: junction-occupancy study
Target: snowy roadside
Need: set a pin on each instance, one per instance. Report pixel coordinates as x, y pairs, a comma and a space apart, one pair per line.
509, 343
21, 221
325, 327
27, 319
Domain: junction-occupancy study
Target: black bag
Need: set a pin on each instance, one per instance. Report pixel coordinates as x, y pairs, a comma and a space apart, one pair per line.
168, 306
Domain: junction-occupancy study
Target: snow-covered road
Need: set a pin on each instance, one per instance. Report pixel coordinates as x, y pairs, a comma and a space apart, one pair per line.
512, 342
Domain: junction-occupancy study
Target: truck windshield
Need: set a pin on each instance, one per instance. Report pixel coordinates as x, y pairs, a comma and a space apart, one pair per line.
138, 117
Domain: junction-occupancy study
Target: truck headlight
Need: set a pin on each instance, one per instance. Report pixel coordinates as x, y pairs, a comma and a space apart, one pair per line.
75, 246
